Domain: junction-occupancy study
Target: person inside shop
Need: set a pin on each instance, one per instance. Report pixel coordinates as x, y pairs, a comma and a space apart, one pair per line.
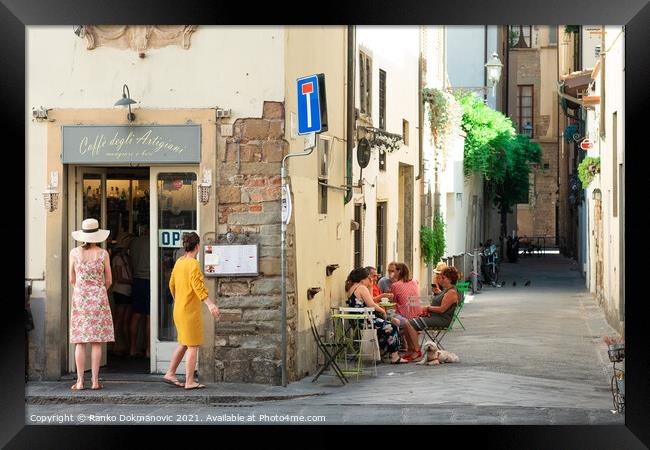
441, 311
123, 275
377, 295
385, 281
91, 321
188, 290
357, 288
140, 291
404, 288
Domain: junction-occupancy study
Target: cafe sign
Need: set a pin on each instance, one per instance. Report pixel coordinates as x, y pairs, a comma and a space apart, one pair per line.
125, 144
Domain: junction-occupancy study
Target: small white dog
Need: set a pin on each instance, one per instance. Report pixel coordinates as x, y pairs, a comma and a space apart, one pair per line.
432, 355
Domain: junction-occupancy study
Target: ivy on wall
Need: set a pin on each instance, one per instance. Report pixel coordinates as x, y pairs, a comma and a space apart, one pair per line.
432, 240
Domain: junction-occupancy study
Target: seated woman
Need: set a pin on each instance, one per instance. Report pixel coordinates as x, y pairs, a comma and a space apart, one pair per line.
403, 287
359, 296
441, 311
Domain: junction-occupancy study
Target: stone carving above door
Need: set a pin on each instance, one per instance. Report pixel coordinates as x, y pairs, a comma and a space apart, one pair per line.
137, 37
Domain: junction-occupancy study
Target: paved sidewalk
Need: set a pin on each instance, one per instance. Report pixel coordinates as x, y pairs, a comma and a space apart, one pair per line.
529, 355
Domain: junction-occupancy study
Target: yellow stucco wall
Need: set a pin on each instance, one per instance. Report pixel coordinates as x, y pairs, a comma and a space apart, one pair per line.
320, 239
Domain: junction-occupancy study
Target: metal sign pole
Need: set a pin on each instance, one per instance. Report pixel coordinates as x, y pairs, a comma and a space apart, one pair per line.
310, 144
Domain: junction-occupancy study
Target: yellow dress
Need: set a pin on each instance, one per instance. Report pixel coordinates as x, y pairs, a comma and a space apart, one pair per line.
187, 286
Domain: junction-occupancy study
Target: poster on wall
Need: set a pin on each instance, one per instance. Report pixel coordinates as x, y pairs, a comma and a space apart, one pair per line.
230, 260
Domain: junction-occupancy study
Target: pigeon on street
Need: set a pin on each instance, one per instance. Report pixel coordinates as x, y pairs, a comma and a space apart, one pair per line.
527, 283
514, 283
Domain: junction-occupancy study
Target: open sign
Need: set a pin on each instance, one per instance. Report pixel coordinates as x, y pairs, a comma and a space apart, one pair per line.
171, 238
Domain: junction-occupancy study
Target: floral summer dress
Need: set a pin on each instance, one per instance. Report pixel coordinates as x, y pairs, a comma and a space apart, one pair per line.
387, 333
90, 319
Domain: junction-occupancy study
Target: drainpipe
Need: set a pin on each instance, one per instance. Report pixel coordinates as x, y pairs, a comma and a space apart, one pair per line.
485, 53
351, 116
420, 106
560, 145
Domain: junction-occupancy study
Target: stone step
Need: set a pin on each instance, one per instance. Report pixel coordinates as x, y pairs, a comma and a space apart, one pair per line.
120, 392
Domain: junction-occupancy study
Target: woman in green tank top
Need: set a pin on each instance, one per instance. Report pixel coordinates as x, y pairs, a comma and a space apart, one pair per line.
441, 311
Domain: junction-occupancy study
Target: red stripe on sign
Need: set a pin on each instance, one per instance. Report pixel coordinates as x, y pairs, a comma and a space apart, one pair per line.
308, 88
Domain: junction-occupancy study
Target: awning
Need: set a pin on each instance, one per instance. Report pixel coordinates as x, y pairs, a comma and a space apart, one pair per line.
576, 82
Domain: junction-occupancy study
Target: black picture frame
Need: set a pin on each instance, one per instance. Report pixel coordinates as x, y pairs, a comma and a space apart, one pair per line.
16, 14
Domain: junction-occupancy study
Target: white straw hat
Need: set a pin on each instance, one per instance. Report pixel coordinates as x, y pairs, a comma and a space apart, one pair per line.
90, 232
439, 267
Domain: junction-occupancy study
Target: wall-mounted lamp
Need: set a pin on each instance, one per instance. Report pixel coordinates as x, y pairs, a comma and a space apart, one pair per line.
330, 269
126, 100
51, 195
354, 226
311, 292
39, 114
205, 187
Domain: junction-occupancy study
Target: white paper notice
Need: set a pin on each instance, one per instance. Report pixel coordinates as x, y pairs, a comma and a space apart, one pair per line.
229, 260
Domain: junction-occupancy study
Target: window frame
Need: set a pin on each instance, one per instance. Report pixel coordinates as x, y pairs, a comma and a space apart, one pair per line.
381, 234
382, 99
515, 28
520, 124
323, 179
365, 83
357, 238
406, 130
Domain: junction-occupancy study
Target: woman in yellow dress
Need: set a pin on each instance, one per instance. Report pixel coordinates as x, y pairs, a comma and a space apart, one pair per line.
188, 290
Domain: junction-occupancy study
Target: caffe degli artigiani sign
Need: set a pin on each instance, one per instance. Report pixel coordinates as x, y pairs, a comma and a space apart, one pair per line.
124, 144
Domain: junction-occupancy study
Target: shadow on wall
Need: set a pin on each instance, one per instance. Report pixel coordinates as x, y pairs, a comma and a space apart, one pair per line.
36, 340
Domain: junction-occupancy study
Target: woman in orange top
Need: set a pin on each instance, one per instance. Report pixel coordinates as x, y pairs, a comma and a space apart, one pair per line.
188, 290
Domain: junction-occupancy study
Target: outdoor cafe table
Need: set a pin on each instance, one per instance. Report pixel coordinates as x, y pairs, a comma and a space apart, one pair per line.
349, 335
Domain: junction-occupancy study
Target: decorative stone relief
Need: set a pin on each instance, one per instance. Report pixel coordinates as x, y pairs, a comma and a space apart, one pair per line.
137, 37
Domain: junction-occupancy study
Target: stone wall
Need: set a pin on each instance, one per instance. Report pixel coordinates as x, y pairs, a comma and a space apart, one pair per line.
248, 335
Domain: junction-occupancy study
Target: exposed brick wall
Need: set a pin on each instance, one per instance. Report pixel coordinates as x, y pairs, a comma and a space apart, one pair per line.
543, 214
248, 336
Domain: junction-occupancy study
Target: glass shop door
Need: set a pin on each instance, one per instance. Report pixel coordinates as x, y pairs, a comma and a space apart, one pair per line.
88, 200
174, 209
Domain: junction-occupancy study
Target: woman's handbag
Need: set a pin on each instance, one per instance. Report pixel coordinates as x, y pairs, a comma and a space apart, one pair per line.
370, 345
123, 271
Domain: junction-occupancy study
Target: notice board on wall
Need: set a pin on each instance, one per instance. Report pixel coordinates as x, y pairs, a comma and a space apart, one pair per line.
230, 260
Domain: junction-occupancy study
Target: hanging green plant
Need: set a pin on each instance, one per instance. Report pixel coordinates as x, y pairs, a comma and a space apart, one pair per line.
432, 240
588, 169
444, 112
571, 28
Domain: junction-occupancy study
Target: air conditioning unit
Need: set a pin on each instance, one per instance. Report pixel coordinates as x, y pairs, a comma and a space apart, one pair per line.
223, 113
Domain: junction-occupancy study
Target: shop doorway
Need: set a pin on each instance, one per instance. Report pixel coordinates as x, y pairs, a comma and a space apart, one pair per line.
146, 210
119, 198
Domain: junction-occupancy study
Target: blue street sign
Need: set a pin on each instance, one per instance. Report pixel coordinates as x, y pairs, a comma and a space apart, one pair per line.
312, 106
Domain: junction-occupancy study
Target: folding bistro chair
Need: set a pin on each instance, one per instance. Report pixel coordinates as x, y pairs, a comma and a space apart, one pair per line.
330, 352
462, 288
435, 334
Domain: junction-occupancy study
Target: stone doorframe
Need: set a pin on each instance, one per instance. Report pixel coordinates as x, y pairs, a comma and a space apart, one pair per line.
56, 223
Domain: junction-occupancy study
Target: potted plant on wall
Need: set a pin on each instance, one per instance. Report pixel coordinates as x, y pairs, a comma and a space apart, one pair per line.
432, 240
588, 169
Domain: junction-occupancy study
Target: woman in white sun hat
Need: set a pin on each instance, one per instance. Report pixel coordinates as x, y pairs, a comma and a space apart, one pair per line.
91, 321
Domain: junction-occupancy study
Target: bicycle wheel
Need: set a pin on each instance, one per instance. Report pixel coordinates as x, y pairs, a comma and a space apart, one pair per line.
496, 274
619, 402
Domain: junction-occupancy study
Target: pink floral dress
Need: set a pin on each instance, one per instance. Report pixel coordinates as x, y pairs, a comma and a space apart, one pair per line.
90, 319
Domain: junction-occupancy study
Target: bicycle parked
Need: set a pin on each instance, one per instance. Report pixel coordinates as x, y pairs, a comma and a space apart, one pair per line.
616, 352
490, 264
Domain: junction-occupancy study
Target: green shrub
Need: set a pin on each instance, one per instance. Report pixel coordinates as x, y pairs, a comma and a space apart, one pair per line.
587, 170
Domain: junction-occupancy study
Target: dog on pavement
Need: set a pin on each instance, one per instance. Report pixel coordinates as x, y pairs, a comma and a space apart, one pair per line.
432, 355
